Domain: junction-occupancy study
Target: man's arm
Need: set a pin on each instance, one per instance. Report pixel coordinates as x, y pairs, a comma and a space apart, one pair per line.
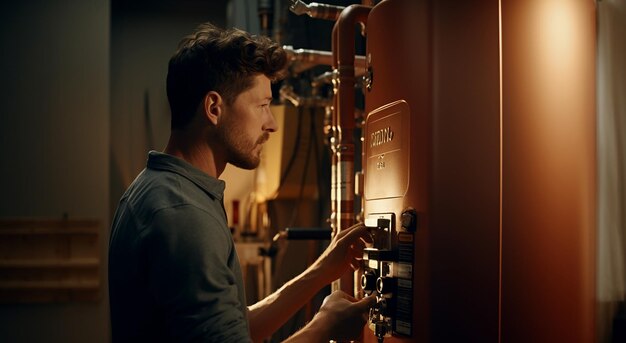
269, 314
340, 318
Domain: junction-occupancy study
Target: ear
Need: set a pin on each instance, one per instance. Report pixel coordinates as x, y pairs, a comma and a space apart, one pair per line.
213, 106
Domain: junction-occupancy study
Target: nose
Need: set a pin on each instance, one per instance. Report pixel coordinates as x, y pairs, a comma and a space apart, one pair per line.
271, 124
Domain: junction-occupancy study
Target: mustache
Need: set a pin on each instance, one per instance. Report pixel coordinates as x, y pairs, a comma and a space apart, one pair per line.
264, 137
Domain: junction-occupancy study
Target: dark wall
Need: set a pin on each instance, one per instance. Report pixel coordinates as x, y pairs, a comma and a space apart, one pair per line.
54, 141
144, 35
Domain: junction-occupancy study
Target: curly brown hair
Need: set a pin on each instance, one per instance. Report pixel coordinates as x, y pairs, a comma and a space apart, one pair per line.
224, 61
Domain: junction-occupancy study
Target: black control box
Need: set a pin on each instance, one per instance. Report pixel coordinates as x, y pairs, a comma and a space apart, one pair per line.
388, 272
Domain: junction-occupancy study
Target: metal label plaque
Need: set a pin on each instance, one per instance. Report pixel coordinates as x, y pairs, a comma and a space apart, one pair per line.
387, 136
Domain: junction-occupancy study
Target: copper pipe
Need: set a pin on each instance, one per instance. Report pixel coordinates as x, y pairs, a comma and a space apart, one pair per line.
344, 52
316, 10
345, 62
333, 220
307, 58
345, 108
308, 55
333, 139
288, 94
322, 79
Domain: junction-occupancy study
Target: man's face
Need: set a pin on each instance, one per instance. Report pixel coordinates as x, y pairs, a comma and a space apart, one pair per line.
247, 123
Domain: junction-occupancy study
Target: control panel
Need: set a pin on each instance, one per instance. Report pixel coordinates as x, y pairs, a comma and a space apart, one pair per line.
388, 273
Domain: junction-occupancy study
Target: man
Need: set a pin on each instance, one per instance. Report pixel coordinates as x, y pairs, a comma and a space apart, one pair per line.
173, 271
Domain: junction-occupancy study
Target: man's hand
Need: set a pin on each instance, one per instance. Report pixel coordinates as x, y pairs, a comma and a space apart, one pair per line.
346, 249
344, 316
340, 318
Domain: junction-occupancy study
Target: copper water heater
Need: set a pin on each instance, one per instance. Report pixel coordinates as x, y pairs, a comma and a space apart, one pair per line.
479, 164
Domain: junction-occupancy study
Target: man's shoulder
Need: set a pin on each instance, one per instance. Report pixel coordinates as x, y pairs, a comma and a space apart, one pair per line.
190, 226
158, 189
154, 191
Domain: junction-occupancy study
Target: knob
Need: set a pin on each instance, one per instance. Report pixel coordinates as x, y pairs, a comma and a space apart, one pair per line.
408, 220
381, 304
385, 285
368, 281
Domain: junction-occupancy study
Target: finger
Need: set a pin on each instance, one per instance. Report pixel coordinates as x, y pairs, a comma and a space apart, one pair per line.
356, 250
354, 233
359, 245
354, 265
354, 254
368, 238
365, 303
345, 232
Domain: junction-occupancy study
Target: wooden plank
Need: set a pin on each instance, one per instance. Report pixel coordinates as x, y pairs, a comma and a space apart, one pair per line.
29, 222
48, 231
50, 263
45, 260
47, 227
51, 285
33, 296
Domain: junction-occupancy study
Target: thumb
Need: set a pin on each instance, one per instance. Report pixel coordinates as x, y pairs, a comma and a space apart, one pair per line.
365, 303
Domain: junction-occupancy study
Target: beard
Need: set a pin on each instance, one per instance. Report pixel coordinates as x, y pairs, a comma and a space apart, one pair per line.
241, 150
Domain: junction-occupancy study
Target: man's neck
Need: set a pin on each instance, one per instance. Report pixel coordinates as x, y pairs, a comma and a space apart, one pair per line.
195, 151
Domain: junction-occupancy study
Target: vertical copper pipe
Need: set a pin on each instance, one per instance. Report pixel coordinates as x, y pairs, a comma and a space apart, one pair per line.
334, 221
333, 193
343, 53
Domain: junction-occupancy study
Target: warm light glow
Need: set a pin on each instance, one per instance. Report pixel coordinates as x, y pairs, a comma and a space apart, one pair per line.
557, 48
557, 35
548, 199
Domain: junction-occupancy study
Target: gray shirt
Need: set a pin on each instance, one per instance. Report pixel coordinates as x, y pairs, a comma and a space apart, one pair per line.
174, 274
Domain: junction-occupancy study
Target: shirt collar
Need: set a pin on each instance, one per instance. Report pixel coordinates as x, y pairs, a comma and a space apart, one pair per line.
161, 161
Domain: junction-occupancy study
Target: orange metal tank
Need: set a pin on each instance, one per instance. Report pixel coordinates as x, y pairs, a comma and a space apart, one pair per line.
485, 127
443, 160
398, 141
548, 168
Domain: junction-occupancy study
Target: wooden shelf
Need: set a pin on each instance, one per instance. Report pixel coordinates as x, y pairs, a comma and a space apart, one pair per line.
50, 263
49, 260
48, 227
50, 285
